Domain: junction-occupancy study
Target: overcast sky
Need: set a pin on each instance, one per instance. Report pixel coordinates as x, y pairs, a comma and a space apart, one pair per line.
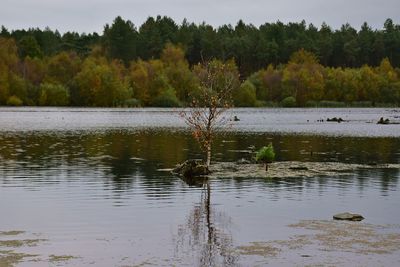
92, 15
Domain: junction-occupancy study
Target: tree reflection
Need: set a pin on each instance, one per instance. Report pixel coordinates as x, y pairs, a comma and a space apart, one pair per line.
123, 158
205, 237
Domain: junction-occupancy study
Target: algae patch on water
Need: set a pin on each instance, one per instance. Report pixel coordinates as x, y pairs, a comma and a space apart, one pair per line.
12, 241
322, 239
354, 237
10, 258
20, 243
291, 169
265, 249
14, 232
60, 258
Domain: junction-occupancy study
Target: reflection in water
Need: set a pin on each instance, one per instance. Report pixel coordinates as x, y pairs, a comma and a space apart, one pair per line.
206, 235
100, 194
120, 158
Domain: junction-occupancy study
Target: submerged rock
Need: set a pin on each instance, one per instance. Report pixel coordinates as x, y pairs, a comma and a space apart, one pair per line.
191, 168
348, 217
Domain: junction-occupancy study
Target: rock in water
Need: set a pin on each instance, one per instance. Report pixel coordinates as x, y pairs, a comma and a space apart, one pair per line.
382, 121
339, 120
191, 168
348, 217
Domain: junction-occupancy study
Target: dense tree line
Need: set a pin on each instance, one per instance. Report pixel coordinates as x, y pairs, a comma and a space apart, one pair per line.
156, 64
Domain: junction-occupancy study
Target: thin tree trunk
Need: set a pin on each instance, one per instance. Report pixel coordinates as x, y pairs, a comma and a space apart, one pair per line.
208, 162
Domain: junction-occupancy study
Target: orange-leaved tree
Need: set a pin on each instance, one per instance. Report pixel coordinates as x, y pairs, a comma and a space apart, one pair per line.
205, 114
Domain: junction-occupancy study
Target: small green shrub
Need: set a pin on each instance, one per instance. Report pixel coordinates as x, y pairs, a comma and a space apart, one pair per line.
14, 101
167, 99
289, 102
266, 154
53, 95
245, 95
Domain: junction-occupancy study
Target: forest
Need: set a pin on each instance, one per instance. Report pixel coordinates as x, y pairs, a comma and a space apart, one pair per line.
156, 64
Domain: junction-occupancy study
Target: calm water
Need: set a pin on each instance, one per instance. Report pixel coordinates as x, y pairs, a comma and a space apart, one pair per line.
90, 182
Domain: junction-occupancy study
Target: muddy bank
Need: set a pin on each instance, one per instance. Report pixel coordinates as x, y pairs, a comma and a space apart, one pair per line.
290, 169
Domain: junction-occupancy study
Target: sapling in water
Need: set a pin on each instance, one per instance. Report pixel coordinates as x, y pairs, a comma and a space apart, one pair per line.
266, 154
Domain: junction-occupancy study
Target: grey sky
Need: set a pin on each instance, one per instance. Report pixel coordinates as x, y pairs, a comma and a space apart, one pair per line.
92, 15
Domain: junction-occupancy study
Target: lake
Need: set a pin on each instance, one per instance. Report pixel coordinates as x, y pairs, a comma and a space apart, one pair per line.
87, 187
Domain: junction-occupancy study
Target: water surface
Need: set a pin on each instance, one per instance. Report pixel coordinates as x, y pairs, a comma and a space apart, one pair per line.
90, 183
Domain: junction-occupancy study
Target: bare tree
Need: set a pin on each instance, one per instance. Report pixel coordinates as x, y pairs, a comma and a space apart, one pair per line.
205, 115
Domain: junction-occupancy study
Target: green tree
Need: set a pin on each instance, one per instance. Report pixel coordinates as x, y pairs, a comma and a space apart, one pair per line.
120, 40
369, 85
154, 34
8, 66
18, 87
28, 46
324, 44
53, 95
148, 80
100, 83
177, 71
334, 84
389, 82
62, 68
245, 95
351, 85
167, 98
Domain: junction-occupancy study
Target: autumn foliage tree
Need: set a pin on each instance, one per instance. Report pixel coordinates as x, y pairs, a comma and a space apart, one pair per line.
303, 77
100, 83
206, 113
